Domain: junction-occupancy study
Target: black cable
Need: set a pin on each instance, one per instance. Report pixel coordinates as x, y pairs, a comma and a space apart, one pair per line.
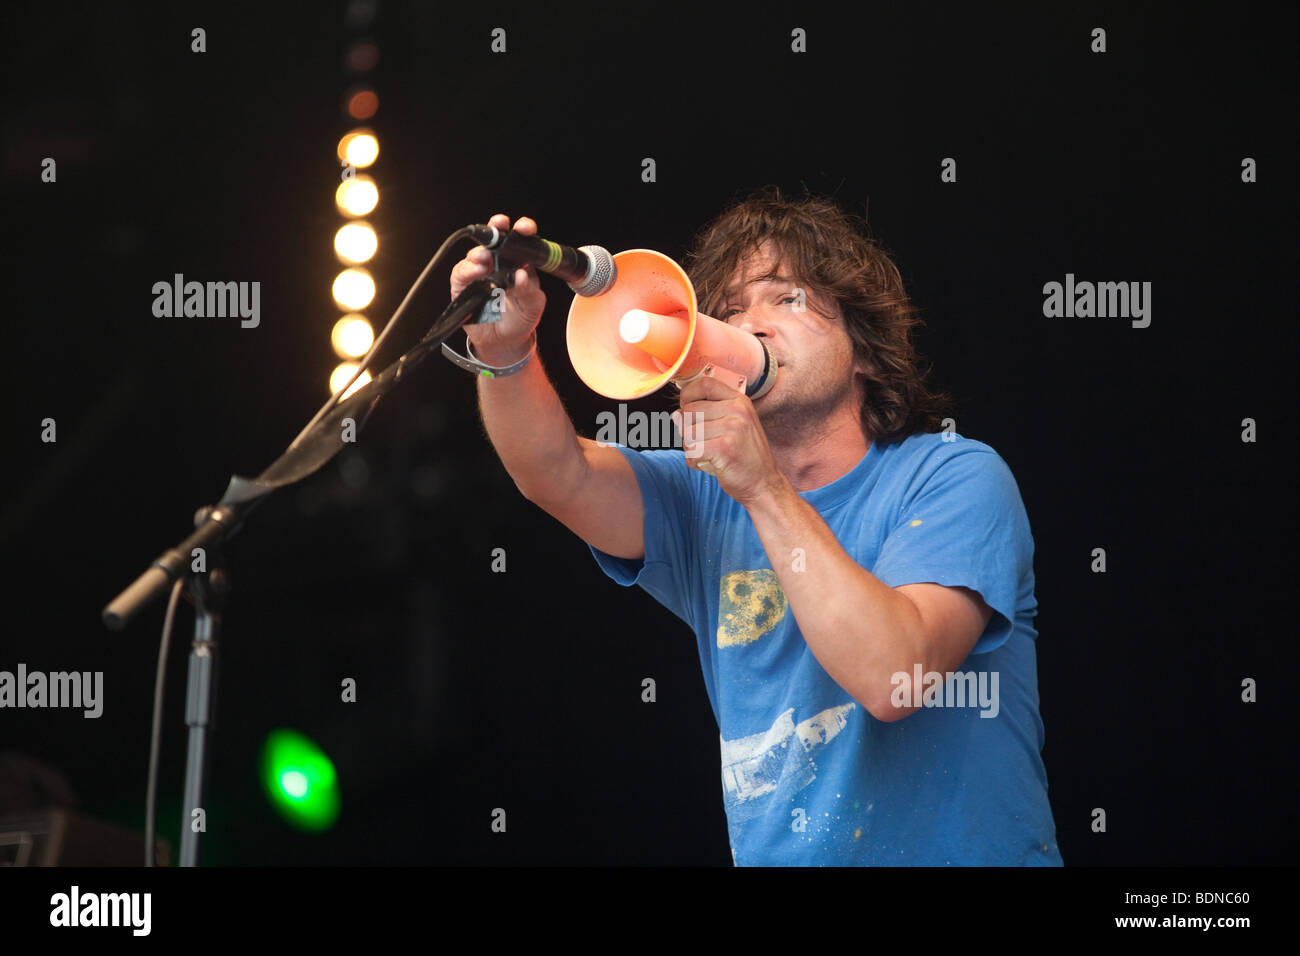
392, 323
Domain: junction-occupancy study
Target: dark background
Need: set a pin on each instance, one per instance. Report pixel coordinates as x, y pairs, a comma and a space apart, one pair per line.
522, 690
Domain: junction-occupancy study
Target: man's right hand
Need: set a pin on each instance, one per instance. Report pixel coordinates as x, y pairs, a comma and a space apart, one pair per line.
504, 342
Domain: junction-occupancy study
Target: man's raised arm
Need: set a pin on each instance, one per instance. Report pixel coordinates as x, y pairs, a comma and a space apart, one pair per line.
591, 490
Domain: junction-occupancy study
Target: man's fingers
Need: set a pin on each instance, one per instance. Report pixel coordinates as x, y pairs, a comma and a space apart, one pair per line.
707, 398
525, 225
699, 432
476, 264
707, 388
706, 411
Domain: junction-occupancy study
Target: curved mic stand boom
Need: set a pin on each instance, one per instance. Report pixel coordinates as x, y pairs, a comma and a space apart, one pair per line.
216, 523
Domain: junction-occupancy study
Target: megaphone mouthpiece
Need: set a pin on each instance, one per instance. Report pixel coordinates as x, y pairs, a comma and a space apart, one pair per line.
634, 326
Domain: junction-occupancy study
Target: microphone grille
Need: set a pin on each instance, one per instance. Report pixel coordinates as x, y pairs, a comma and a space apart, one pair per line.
601, 272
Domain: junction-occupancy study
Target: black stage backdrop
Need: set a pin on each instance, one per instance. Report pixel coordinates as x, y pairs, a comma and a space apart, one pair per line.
1166, 159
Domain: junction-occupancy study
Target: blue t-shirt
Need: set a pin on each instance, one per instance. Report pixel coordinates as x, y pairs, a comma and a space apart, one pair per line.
809, 777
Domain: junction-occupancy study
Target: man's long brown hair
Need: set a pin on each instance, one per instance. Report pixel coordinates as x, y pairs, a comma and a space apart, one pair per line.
828, 251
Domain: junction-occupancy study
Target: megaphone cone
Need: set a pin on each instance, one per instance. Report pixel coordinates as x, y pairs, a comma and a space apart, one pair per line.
646, 331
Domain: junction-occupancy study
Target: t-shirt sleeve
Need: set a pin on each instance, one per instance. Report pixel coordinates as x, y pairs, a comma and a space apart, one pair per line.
669, 500
965, 525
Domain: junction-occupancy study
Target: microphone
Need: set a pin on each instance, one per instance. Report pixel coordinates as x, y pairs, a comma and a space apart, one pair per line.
589, 270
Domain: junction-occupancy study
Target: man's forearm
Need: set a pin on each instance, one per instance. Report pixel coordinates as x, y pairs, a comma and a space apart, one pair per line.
860, 630
529, 428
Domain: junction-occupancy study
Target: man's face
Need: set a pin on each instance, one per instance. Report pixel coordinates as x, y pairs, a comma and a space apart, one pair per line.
812, 346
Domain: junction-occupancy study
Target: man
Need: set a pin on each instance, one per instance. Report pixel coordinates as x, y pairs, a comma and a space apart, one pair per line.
861, 587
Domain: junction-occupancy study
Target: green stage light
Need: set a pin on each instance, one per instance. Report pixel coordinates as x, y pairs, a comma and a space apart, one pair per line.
300, 780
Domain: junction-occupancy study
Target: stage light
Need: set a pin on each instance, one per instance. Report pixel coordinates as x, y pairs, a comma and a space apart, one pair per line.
355, 242
354, 289
362, 57
352, 336
359, 147
362, 103
300, 780
339, 377
357, 196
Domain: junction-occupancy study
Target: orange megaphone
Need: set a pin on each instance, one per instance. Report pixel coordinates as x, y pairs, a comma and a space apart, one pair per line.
646, 331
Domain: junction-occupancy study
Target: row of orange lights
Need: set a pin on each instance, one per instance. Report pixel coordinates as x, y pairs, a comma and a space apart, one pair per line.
355, 244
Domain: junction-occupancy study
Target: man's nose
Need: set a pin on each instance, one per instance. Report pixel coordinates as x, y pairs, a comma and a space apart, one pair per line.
755, 322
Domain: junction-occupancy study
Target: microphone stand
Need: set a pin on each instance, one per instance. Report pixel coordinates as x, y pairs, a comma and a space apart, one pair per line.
209, 586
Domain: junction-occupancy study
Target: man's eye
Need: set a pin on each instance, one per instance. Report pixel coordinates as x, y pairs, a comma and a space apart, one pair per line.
789, 298
727, 313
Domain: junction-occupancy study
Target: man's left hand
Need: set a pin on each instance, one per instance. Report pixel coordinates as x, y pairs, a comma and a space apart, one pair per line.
722, 436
